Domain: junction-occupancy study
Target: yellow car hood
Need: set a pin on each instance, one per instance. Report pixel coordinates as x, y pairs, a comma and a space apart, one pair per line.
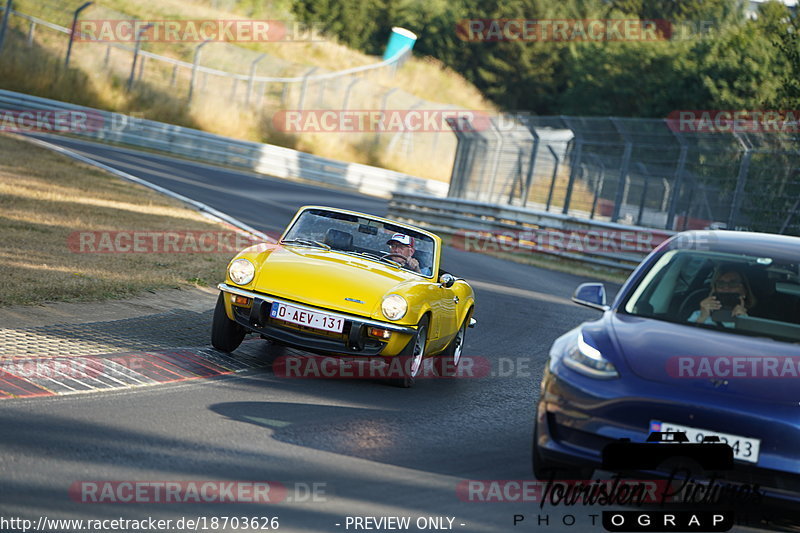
329, 280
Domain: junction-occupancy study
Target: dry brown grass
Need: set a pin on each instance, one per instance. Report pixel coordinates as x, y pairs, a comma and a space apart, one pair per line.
95, 83
45, 197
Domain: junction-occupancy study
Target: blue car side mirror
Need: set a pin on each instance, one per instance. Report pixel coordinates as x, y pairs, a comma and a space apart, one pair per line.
591, 295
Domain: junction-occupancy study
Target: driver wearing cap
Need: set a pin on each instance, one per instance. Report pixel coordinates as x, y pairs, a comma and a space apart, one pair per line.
401, 247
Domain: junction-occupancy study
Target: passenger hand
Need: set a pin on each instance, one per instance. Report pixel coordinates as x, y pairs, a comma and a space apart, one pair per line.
707, 306
740, 309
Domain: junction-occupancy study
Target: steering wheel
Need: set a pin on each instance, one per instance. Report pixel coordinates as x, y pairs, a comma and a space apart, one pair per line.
393, 257
691, 303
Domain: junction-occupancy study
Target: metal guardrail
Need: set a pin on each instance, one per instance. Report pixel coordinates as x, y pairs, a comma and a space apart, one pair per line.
198, 145
483, 227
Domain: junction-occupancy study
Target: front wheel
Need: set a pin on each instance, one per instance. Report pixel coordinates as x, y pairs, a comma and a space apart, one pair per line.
452, 354
412, 356
226, 335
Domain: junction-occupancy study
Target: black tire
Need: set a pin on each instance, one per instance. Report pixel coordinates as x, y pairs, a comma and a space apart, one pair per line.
451, 355
226, 335
412, 356
545, 470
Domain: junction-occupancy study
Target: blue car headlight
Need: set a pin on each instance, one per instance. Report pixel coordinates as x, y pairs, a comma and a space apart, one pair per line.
584, 358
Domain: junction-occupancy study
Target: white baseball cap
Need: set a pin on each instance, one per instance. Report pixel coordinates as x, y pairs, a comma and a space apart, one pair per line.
402, 239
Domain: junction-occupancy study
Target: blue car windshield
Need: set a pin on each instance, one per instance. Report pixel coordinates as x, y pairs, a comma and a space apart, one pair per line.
737, 293
365, 237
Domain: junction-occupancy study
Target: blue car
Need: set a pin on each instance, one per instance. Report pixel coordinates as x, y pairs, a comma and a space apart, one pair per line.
703, 338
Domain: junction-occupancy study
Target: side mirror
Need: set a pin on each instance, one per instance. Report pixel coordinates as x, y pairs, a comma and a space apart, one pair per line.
591, 295
447, 280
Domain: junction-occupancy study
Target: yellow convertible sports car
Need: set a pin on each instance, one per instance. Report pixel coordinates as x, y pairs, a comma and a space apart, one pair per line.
348, 284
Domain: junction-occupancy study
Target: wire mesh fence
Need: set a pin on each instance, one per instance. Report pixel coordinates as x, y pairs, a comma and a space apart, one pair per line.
221, 76
650, 172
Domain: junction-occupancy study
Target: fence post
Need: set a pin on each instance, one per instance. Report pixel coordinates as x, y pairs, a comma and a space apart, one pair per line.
384, 101
136, 49
623, 175
676, 190
250, 78
72, 32
531, 164
29, 38
323, 86
233, 90
500, 141
195, 61
350, 86
456, 159
788, 219
556, 163
517, 180
4, 23
303, 88
744, 167
385, 98
646, 177
261, 95
598, 186
575, 167
667, 193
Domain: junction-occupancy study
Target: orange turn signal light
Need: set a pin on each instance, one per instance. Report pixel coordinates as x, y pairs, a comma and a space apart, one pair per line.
241, 300
380, 333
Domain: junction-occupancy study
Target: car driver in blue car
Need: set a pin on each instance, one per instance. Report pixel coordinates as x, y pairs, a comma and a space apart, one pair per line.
731, 292
401, 248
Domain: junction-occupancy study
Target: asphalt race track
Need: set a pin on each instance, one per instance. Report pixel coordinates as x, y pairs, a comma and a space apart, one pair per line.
341, 448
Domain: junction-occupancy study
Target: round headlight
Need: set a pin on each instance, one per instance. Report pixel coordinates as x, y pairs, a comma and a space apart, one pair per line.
241, 271
394, 307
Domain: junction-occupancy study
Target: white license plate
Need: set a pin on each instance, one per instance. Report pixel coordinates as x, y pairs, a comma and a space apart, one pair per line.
744, 448
306, 318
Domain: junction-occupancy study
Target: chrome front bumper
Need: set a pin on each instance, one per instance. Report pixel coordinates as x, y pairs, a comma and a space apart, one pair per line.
224, 287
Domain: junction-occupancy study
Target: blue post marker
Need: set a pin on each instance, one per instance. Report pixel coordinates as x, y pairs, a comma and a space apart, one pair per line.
400, 40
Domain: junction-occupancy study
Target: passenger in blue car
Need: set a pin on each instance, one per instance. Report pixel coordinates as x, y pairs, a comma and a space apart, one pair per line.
730, 296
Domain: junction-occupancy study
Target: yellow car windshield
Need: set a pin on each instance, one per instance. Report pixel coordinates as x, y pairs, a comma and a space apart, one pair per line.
370, 238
